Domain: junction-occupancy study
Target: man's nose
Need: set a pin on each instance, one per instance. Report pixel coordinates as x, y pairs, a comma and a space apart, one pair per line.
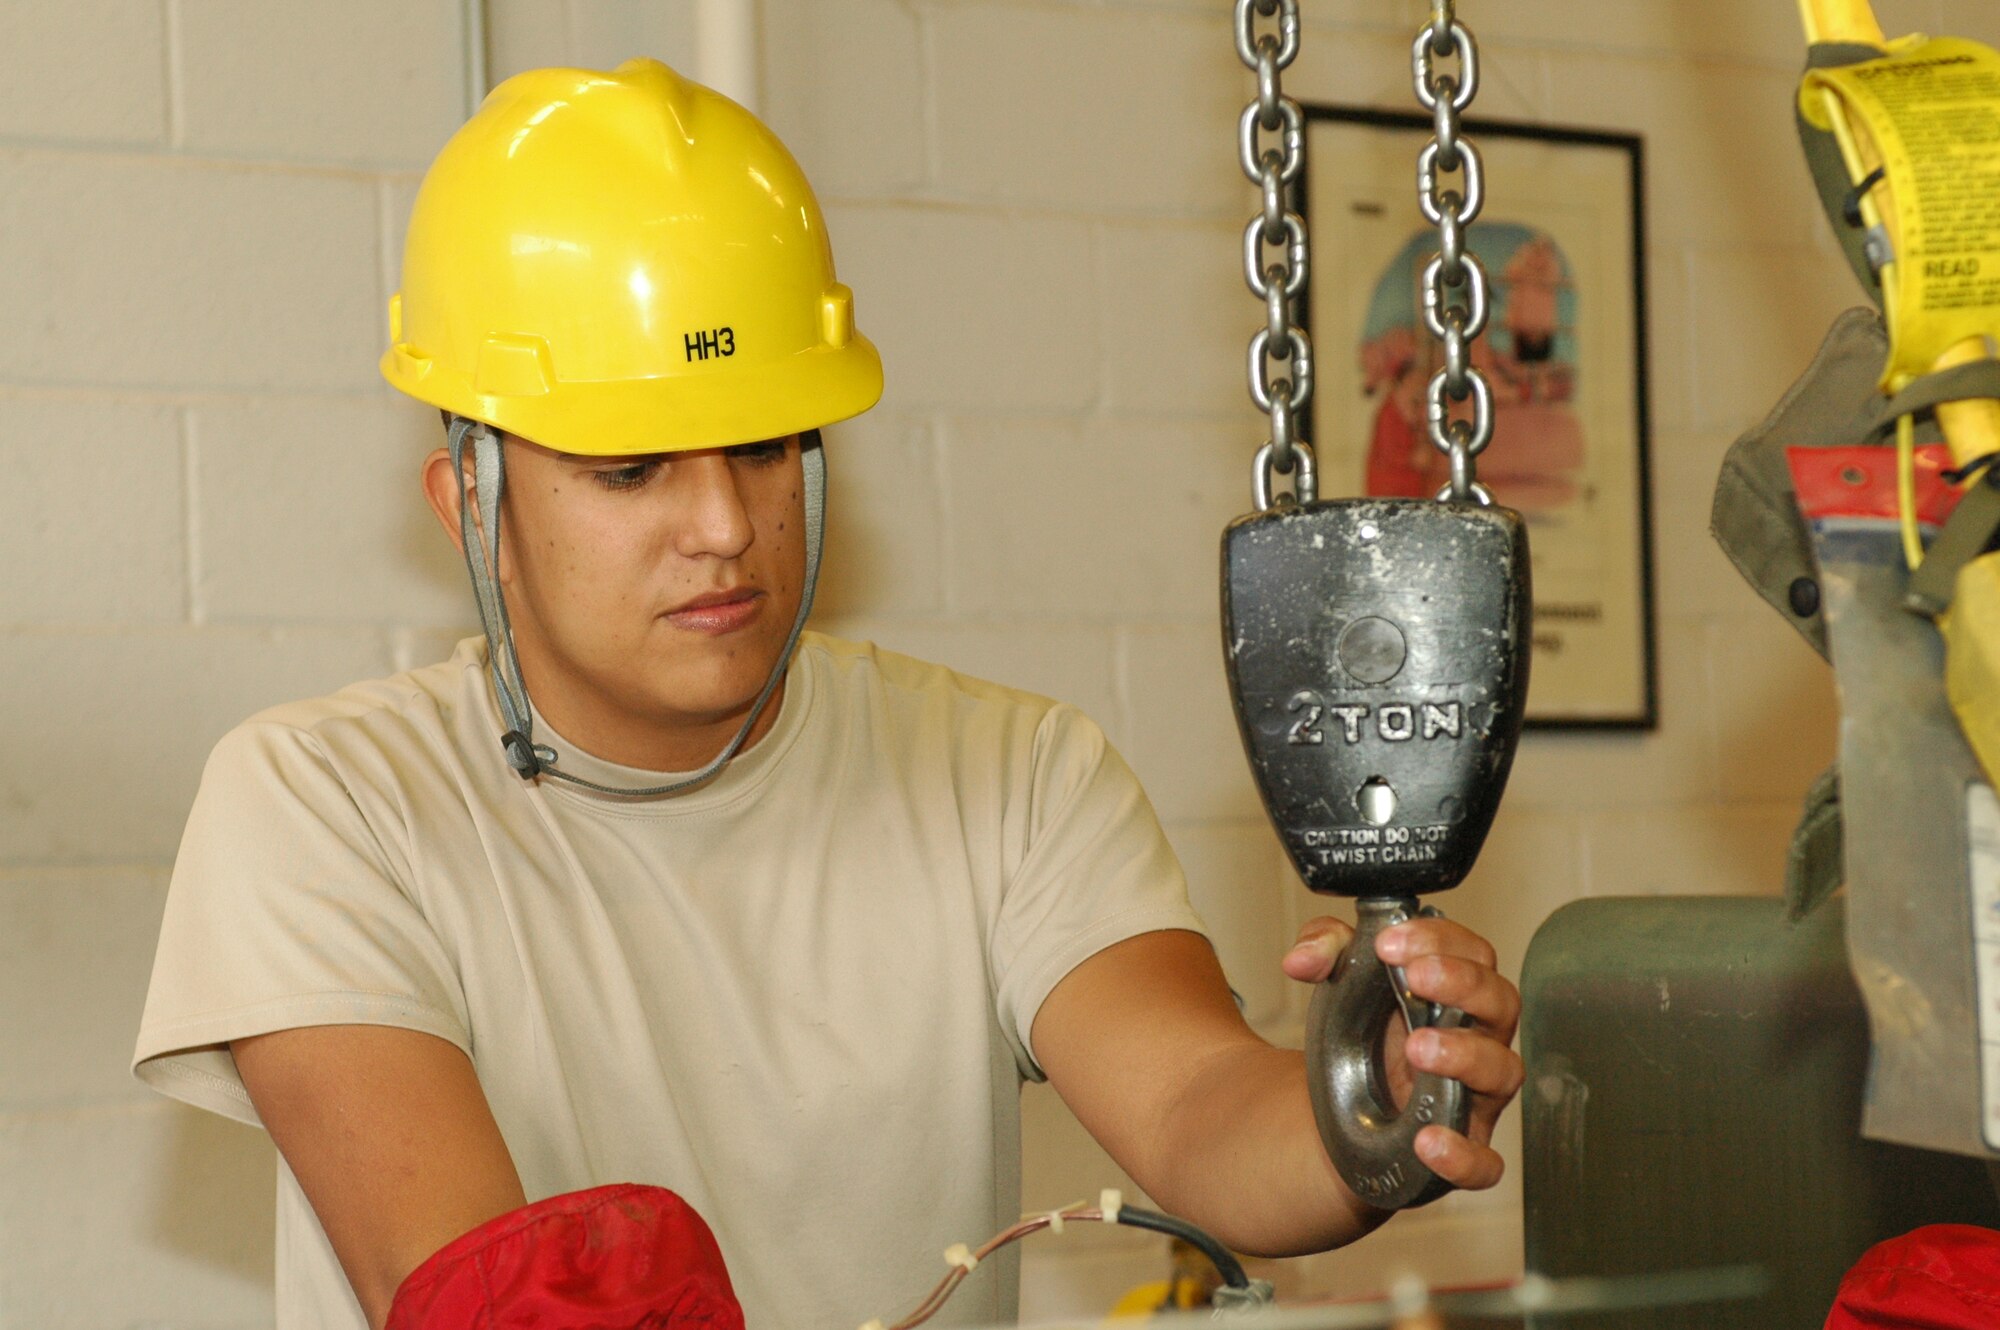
714, 520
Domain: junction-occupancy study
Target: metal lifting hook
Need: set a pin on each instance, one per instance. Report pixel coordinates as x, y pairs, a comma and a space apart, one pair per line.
1371, 1141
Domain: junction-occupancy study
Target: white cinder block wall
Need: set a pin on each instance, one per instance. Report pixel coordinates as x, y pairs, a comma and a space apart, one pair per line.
210, 500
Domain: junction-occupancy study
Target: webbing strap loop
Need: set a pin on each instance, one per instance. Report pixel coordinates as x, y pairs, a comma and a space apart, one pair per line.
1967, 534
1971, 381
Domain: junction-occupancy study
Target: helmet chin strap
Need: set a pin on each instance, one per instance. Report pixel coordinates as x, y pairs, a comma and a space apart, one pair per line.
482, 559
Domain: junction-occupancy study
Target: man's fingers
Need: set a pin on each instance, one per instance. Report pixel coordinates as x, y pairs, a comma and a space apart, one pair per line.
1457, 1160
1433, 937
1320, 943
1481, 993
1474, 1058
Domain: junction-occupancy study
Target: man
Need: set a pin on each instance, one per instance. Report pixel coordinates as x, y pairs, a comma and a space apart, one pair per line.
651, 887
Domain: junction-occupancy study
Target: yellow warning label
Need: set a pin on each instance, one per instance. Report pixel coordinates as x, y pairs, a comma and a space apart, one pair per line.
1929, 115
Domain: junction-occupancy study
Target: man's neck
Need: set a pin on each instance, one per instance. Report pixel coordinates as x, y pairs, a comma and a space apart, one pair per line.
600, 728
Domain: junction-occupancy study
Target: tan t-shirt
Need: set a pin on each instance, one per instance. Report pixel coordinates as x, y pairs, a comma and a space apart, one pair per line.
799, 996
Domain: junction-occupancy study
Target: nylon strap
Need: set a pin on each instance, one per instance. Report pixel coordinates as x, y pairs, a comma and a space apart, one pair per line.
482, 560
481, 542
1967, 534
1961, 383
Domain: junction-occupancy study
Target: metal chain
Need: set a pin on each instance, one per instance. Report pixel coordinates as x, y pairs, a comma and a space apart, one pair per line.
1456, 295
1281, 365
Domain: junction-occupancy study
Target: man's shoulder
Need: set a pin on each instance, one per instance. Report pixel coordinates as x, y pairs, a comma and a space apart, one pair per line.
861, 667
412, 707
909, 704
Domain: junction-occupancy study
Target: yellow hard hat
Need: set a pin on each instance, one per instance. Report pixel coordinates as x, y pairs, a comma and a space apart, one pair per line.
611, 264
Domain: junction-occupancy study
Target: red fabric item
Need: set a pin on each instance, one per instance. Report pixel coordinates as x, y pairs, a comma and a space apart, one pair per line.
1860, 481
1941, 1277
623, 1257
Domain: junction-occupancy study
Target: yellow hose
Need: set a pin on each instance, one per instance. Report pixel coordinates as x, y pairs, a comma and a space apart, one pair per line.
1840, 21
1906, 490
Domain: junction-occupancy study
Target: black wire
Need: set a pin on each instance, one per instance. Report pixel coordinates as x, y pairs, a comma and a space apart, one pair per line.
1851, 208
1225, 1261
1983, 463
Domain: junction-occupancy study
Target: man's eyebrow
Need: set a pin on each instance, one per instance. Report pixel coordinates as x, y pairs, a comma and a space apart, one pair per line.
620, 459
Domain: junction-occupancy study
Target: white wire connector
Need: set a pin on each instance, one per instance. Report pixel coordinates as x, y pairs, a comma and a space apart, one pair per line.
875, 1324
960, 1255
1110, 1201
1058, 1216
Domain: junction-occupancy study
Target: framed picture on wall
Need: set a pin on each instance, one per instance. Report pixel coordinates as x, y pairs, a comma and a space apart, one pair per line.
1561, 238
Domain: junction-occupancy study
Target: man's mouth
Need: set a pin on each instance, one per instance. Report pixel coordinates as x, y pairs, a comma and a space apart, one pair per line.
718, 612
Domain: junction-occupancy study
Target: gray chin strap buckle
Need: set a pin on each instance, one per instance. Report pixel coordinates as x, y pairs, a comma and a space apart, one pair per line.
521, 755
1370, 1140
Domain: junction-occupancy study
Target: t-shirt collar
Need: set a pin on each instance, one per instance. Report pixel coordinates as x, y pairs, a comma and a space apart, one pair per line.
747, 769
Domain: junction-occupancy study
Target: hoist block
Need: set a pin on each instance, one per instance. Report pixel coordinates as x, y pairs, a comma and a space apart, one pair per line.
1378, 657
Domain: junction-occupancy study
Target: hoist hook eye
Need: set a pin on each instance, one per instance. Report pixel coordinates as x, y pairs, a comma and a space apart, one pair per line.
1370, 1140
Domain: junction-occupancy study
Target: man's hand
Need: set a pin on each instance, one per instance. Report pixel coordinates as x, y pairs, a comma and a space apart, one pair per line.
1146, 1047
1447, 963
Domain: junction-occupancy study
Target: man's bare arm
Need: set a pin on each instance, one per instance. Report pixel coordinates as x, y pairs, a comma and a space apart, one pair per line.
391, 1138
1145, 1045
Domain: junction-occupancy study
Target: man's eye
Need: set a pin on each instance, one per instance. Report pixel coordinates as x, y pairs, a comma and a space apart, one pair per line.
626, 477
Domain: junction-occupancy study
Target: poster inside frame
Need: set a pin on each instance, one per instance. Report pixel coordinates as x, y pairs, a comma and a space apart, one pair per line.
1561, 237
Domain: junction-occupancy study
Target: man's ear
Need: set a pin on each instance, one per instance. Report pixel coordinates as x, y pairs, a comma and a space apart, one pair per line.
441, 492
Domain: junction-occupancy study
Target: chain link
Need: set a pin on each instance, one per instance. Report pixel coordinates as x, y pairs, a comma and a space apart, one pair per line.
1455, 288
1291, 272
1306, 483
1460, 205
1275, 250
1297, 387
1288, 30
1433, 85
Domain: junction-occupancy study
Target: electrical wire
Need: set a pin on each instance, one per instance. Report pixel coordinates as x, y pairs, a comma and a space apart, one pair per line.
1223, 1259
964, 1261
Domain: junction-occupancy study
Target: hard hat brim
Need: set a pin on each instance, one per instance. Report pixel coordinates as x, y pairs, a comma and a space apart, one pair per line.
630, 417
